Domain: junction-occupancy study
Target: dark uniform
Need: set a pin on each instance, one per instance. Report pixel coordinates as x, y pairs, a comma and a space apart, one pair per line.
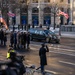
42, 54
28, 39
11, 54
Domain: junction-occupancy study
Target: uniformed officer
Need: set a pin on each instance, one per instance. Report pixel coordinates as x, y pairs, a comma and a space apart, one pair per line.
11, 53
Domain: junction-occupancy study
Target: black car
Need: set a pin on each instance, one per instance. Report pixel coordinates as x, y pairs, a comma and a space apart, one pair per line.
43, 34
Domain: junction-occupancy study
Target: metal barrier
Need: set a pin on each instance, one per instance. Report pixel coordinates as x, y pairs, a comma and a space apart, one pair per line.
68, 28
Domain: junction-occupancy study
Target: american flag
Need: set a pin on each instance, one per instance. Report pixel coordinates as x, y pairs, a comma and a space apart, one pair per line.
64, 14
11, 14
4, 22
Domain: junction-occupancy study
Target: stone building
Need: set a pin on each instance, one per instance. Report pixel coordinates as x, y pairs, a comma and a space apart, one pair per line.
43, 12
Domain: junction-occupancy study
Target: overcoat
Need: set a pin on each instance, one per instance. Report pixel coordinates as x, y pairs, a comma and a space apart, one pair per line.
42, 54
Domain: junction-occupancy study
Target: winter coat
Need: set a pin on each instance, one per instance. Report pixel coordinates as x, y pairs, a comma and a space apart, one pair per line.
5, 37
11, 38
28, 38
42, 54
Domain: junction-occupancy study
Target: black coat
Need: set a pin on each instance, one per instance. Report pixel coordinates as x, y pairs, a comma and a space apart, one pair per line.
28, 38
11, 38
42, 54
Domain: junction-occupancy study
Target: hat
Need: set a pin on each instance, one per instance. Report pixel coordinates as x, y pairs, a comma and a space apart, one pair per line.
43, 44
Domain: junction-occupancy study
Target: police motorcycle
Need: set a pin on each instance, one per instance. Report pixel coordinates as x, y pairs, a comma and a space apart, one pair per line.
16, 63
4, 69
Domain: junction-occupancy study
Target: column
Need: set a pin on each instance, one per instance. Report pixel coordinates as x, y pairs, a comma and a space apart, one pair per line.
71, 10
30, 15
18, 16
40, 13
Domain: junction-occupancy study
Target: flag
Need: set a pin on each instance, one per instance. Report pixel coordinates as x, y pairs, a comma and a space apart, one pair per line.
11, 14
64, 14
4, 22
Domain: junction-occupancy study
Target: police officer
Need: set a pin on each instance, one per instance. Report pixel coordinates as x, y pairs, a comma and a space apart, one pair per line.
11, 54
42, 54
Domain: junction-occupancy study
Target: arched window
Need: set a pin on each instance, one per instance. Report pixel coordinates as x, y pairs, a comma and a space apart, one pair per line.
47, 10
47, 16
47, 1
35, 1
35, 16
68, 1
61, 1
35, 10
24, 10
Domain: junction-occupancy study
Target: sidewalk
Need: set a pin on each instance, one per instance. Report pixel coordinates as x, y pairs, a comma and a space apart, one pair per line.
63, 33
68, 34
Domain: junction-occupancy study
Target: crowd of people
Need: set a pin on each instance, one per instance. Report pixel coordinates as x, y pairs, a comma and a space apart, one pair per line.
20, 40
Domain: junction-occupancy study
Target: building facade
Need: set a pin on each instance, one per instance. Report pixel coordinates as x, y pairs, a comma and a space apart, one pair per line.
44, 12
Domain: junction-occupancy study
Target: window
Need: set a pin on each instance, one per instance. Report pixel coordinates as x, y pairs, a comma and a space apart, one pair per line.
47, 1
47, 10
35, 1
61, 0
35, 10
24, 10
68, 1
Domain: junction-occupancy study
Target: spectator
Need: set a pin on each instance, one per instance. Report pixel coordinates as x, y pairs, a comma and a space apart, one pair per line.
11, 39
28, 39
5, 38
24, 37
15, 39
40, 25
2, 36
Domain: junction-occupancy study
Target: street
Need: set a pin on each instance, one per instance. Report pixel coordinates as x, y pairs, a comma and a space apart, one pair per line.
61, 57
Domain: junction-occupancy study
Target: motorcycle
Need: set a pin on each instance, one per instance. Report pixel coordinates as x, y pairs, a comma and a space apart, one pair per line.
5, 70
17, 65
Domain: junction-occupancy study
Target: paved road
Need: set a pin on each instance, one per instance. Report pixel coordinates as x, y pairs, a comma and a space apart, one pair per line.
61, 57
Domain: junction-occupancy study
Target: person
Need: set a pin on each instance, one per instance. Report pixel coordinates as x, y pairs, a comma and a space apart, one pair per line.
5, 38
24, 38
27, 39
11, 39
12, 55
42, 54
15, 39
2, 36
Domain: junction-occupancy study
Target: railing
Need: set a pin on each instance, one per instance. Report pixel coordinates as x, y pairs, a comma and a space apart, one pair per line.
68, 28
